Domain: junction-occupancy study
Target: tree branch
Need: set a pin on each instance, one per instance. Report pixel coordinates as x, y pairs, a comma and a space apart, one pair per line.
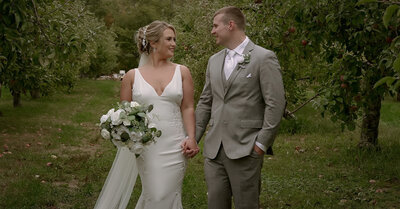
40, 24
389, 2
290, 114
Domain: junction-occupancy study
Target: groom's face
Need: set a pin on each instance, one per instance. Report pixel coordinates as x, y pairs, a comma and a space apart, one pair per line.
220, 30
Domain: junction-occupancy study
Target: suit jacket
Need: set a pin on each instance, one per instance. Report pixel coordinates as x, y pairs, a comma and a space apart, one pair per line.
245, 108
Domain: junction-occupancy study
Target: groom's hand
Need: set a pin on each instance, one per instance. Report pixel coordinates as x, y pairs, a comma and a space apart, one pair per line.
258, 150
190, 147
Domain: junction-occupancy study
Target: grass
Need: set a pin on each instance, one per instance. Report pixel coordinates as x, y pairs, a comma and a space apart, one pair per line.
315, 164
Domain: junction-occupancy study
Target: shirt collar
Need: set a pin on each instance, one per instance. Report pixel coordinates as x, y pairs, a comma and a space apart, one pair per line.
240, 49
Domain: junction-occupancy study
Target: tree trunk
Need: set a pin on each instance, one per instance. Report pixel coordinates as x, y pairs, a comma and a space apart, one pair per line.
16, 99
370, 120
0, 90
35, 93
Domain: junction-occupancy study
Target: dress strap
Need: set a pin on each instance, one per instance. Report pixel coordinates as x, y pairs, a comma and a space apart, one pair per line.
178, 68
135, 76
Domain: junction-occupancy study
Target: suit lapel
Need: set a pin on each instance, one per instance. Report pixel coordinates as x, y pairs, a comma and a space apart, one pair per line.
219, 64
249, 47
223, 78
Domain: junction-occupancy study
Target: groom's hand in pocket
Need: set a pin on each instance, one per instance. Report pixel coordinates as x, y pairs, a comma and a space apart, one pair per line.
258, 150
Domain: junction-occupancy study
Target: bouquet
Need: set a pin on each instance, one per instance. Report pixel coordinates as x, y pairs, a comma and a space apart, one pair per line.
129, 124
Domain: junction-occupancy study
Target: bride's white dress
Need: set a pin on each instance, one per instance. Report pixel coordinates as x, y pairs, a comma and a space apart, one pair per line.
162, 165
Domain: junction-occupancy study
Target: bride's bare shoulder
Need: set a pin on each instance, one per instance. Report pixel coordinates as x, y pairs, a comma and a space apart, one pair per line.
129, 76
131, 72
185, 72
183, 68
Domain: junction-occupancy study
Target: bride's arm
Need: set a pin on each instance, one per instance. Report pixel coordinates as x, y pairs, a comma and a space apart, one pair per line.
187, 109
126, 86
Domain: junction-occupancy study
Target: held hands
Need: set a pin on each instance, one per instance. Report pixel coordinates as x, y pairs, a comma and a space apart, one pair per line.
190, 147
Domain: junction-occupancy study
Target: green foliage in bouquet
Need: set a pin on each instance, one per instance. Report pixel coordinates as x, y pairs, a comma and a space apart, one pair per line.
129, 124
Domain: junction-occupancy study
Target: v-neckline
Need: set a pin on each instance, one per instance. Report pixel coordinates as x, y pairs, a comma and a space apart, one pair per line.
162, 93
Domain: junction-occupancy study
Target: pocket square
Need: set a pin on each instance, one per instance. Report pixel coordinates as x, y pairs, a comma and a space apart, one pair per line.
249, 75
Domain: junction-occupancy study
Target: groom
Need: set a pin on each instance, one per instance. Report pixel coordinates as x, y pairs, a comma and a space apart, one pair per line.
242, 102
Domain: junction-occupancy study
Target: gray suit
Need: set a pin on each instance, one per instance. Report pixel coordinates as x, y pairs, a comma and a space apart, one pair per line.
240, 111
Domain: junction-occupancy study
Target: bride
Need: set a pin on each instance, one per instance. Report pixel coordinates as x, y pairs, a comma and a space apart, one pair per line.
169, 87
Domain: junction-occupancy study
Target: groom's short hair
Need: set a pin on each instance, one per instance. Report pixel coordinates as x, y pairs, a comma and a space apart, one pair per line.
234, 14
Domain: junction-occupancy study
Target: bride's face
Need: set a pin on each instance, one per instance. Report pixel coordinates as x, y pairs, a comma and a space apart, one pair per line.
220, 30
165, 47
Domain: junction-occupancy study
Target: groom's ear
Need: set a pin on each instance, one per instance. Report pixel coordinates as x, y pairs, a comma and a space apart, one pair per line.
232, 25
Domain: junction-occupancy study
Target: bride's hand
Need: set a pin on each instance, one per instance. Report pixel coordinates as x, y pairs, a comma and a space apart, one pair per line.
190, 147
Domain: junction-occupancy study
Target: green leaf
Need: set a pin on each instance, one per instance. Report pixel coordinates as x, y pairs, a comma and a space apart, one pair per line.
142, 114
382, 81
351, 126
17, 19
365, 1
159, 133
396, 63
397, 84
124, 137
51, 56
390, 81
388, 14
150, 108
131, 117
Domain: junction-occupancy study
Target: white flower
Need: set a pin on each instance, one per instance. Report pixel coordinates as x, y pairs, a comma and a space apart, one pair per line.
104, 118
240, 59
115, 135
117, 143
134, 104
110, 112
116, 117
105, 134
130, 144
126, 122
138, 148
128, 109
152, 125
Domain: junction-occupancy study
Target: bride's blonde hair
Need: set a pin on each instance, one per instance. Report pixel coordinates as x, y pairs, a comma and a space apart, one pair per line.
152, 32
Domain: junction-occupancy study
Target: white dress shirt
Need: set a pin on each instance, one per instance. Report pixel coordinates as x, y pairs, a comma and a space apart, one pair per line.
233, 56
231, 60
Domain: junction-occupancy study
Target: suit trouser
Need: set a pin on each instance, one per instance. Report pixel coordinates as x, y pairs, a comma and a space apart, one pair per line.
239, 177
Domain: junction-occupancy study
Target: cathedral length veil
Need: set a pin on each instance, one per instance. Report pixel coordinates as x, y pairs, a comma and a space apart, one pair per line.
121, 179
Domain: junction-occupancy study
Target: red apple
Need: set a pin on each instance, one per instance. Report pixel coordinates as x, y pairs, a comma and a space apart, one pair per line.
357, 98
292, 29
342, 78
389, 40
353, 108
344, 85
304, 42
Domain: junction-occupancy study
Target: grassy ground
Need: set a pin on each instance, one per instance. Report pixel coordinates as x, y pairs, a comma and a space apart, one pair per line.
316, 167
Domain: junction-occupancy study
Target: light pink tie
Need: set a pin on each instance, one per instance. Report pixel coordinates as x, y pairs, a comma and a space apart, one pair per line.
230, 64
